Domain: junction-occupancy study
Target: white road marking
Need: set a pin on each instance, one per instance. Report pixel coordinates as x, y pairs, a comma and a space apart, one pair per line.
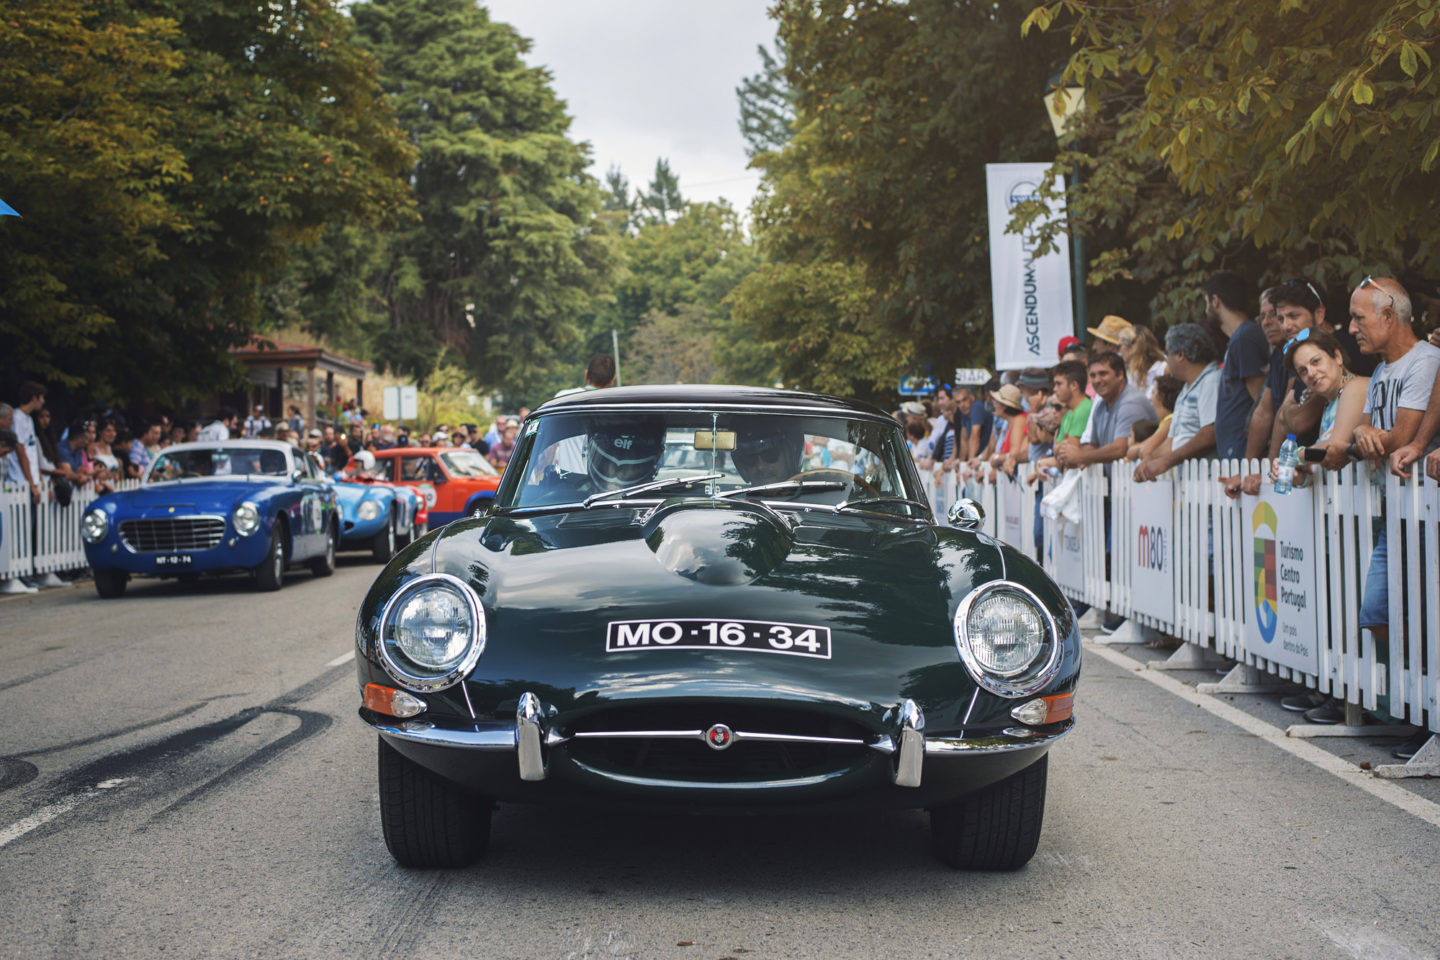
1364, 943
1391, 793
59, 808
344, 658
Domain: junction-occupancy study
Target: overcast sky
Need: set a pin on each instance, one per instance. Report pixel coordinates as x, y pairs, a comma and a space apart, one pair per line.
652, 78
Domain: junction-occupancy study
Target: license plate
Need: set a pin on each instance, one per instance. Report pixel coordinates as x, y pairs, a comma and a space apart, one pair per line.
174, 560
758, 636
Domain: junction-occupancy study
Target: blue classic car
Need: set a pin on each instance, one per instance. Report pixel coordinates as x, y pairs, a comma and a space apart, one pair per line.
374, 516
234, 505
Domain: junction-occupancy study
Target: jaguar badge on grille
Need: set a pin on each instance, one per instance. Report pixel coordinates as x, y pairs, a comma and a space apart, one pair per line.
719, 737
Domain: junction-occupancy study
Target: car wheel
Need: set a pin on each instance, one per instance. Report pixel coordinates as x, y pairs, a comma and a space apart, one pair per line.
270, 575
997, 828
383, 546
324, 565
111, 583
427, 820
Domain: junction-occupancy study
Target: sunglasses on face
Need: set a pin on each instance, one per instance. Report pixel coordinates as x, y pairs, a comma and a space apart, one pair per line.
748, 458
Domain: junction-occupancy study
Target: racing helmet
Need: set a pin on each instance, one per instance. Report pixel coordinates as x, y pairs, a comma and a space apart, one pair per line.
625, 452
365, 460
767, 449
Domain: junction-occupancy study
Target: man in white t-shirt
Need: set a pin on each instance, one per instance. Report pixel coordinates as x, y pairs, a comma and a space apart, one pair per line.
32, 398
219, 429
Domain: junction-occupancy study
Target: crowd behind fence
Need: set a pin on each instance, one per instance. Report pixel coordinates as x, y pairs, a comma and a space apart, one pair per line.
1231, 576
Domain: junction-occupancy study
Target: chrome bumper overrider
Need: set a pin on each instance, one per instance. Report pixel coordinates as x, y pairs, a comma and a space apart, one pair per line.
531, 741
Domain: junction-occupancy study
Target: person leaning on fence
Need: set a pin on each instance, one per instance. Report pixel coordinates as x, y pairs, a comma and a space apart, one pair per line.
1395, 401
1069, 379
1190, 354
1014, 447
1242, 369
1118, 404
1427, 435
1162, 400
1317, 358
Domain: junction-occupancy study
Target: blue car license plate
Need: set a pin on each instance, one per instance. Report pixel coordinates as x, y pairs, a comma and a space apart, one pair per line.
174, 560
759, 636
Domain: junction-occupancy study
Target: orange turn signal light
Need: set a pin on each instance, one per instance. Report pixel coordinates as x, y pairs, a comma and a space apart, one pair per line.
1059, 707
392, 702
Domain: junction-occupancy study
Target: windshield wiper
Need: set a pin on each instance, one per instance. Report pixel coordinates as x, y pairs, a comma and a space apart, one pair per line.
856, 505
626, 492
796, 485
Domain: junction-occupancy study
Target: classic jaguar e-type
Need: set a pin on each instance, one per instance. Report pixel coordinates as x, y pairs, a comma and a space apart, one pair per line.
231, 505
707, 599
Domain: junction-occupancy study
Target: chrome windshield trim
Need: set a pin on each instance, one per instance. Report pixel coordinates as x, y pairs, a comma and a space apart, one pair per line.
1002, 743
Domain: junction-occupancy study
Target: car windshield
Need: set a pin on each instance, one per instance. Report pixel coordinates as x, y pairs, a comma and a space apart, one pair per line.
218, 462
627, 457
467, 463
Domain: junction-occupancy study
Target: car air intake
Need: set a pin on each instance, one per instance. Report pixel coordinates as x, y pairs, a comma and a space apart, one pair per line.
172, 534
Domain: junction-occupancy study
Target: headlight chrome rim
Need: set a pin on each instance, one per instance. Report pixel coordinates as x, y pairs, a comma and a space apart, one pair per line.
246, 518
404, 672
1033, 678
368, 510
87, 528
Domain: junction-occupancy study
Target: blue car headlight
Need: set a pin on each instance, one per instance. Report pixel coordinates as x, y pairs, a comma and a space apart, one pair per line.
1007, 640
432, 632
94, 526
368, 510
246, 519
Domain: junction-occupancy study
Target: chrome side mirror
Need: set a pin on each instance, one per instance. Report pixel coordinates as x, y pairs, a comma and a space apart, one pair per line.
966, 514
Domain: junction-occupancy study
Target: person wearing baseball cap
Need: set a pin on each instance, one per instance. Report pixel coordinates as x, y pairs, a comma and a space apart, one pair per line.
1065, 344
1107, 335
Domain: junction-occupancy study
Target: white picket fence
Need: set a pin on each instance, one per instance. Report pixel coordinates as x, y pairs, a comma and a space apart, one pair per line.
1212, 553
56, 543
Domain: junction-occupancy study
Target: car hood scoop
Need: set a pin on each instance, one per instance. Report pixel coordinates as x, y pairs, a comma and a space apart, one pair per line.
717, 542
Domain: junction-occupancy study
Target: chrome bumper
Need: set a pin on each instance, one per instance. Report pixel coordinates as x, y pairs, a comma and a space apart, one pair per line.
531, 741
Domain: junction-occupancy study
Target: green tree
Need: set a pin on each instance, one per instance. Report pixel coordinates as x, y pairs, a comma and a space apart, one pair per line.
174, 151
873, 219
1277, 138
661, 202
508, 250
767, 105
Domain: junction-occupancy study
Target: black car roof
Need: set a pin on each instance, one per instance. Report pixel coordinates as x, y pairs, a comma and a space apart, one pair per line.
709, 395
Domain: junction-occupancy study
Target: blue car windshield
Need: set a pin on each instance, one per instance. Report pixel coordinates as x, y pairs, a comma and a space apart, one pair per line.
833, 459
217, 462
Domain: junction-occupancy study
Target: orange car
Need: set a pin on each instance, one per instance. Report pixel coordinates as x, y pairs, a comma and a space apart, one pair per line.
457, 482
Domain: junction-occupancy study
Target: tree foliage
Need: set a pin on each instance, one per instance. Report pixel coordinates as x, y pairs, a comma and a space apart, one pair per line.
507, 250
166, 155
1274, 138
767, 104
661, 202
872, 219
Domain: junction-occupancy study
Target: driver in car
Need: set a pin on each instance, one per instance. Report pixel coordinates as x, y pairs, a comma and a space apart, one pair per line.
618, 454
767, 452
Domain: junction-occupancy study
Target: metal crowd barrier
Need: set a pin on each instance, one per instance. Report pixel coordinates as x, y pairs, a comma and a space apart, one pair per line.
1272, 582
47, 539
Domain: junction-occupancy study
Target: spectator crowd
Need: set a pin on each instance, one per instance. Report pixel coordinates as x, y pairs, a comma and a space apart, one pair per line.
1256, 369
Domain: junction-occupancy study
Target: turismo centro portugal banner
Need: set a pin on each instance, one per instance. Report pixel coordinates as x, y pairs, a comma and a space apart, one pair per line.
1030, 297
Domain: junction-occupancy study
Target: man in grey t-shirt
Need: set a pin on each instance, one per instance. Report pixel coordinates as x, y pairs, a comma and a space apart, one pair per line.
1190, 354
1117, 406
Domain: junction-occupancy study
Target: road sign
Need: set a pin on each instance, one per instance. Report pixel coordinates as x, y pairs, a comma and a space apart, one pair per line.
402, 403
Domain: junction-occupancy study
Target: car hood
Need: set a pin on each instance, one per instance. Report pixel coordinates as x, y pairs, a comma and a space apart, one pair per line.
190, 496
550, 585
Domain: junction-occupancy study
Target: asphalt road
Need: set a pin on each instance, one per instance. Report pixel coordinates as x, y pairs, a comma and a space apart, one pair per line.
183, 774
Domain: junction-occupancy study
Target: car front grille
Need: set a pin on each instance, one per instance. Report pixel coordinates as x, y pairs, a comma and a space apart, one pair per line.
606, 741
172, 534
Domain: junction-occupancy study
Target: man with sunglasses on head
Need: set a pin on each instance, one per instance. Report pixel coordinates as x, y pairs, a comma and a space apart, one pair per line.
1395, 403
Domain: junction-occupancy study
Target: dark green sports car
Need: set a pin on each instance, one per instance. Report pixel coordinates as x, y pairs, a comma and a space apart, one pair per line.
715, 598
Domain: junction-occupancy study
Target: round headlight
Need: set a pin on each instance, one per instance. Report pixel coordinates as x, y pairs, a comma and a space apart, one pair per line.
246, 519
432, 632
1007, 639
369, 510
94, 526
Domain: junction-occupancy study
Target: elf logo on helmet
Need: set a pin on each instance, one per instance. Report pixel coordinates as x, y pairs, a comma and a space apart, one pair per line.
624, 443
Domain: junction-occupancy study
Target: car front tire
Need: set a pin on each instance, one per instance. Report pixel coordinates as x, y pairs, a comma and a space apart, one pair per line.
270, 575
427, 820
111, 583
997, 828
382, 548
324, 565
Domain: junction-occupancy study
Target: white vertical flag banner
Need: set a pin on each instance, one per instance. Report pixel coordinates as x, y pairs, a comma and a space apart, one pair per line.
1030, 295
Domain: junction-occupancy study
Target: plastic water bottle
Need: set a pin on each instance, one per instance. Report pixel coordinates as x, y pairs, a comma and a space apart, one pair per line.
1052, 472
1285, 465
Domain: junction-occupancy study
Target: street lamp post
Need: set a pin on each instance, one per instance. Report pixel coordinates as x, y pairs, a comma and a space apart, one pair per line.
1062, 105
